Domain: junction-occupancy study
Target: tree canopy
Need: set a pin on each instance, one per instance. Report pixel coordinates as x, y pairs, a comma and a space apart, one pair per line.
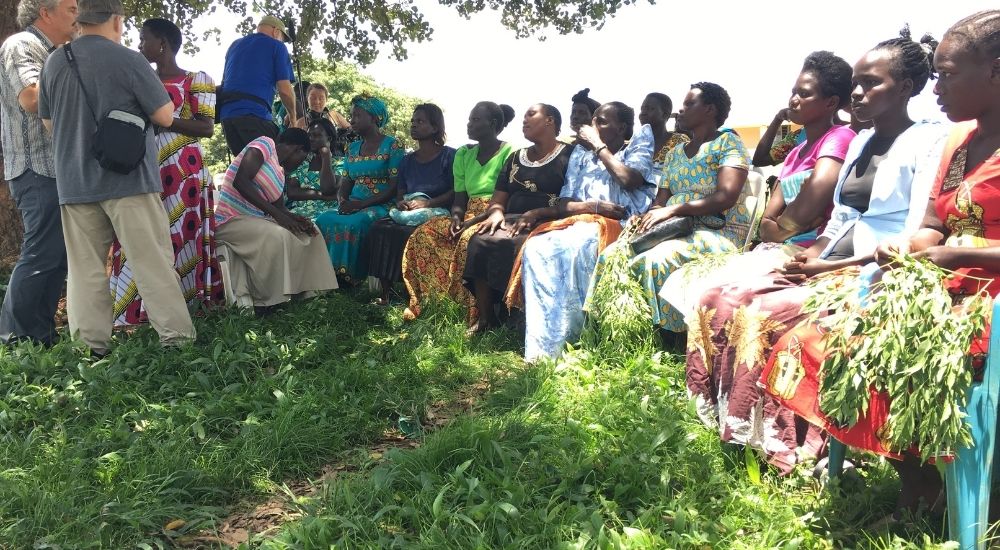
358, 29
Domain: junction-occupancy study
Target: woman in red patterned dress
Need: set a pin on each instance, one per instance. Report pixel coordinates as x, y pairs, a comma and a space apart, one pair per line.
187, 187
960, 232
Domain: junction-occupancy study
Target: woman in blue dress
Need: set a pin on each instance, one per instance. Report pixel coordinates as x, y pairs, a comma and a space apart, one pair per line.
606, 183
371, 168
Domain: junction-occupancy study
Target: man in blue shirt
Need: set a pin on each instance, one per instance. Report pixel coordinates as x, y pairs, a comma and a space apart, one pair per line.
256, 66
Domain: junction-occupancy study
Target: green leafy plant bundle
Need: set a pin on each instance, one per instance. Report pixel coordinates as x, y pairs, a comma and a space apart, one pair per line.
910, 339
618, 313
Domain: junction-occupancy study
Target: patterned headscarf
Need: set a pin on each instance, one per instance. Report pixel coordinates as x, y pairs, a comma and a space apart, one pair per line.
373, 106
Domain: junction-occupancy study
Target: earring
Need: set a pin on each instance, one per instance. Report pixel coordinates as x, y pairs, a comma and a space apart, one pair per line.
162, 49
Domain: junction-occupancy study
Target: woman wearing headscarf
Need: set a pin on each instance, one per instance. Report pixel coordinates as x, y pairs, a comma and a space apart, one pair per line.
188, 195
371, 168
434, 257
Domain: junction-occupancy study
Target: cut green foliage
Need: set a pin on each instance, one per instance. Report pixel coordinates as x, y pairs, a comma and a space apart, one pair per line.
908, 340
618, 312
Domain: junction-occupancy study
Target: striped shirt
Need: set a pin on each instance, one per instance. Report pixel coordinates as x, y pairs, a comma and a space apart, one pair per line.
269, 181
26, 143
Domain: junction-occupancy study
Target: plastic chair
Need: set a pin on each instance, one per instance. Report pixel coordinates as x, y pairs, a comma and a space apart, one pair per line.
968, 477
234, 277
755, 194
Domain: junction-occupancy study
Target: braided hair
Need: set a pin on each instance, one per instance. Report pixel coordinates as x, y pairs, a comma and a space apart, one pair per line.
913, 60
980, 32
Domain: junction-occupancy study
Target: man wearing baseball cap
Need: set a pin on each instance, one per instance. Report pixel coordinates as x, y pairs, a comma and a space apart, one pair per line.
96, 203
256, 66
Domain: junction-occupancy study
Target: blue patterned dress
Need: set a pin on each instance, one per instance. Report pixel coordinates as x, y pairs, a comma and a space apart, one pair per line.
689, 179
557, 265
372, 175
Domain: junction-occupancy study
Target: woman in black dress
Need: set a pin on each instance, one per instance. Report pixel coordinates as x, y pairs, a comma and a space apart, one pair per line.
524, 196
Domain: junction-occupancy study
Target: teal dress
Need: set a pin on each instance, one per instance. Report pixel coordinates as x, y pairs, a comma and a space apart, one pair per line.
309, 179
345, 233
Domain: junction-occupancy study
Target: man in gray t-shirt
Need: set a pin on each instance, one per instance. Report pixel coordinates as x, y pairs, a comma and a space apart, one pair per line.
98, 204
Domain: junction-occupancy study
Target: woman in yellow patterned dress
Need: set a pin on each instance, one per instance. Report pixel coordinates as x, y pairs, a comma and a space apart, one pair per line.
704, 177
188, 196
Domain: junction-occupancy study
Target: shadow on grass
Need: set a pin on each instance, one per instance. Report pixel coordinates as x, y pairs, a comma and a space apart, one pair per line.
599, 450
106, 453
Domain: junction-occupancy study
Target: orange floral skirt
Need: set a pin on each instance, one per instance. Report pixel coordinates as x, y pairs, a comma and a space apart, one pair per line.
433, 263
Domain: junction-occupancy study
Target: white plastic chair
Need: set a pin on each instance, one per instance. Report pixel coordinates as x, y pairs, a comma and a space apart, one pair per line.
234, 277
755, 198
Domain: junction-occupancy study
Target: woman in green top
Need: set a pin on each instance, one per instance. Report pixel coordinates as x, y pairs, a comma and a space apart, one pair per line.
312, 188
434, 257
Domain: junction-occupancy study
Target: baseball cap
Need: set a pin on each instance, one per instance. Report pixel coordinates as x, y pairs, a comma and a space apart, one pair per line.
273, 21
95, 12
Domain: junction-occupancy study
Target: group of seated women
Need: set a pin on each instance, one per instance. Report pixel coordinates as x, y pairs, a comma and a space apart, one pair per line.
495, 228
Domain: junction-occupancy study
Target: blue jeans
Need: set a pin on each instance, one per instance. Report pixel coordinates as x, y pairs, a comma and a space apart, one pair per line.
36, 284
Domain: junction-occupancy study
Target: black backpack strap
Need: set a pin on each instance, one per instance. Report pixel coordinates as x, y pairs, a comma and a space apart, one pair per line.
71, 59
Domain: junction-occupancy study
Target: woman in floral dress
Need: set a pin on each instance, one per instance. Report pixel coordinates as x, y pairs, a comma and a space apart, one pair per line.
188, 195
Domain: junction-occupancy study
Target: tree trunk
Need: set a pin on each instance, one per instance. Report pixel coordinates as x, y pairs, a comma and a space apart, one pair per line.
10, 219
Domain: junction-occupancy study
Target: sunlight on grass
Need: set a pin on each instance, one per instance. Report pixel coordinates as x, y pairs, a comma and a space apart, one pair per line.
599, 451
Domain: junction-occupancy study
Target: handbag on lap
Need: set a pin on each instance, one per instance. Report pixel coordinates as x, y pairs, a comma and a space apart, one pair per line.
673, 228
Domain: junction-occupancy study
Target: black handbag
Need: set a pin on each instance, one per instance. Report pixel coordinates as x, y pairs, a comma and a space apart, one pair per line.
676, 227
120, 139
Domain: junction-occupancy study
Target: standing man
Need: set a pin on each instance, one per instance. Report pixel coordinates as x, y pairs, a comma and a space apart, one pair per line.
256, 65
29, 306
97, 204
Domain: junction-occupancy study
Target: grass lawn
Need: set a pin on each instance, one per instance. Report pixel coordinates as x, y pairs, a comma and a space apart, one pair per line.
319, 407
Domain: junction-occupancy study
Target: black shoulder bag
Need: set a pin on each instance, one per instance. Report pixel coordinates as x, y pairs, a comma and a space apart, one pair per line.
120, 140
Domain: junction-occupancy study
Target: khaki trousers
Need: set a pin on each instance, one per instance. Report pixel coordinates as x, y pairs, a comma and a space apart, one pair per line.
141, 225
